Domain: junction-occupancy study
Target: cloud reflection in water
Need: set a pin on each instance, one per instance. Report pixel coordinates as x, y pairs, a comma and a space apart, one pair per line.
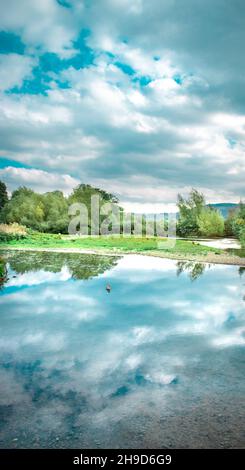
152, 364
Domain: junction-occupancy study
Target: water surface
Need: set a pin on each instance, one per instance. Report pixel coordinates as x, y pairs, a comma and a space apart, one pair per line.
157, 362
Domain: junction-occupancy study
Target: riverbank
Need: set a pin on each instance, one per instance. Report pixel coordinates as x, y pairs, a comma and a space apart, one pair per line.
208, 258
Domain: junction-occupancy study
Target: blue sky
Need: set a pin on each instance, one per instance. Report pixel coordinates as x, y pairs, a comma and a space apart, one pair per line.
145, 99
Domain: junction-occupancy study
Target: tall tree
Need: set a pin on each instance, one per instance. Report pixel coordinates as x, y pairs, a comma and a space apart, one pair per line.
189, 210
56, 218
25, 207
83, 194
238, 225
3, 195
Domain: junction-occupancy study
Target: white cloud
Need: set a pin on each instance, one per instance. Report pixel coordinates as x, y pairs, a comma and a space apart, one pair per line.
14, 69
39, 180
44, 25
41, 277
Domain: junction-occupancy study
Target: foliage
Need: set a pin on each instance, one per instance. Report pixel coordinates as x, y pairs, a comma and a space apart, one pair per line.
55, 218
210, 223
49, 212
229, 222
82, 266
235, 224
189, 210
3, 195
83, 193
2, 268
25, 207
242, 237
6, 237
46, 212
3, 272
3, 198
12, 232
238, 224
195, 218
13, 229
195, 270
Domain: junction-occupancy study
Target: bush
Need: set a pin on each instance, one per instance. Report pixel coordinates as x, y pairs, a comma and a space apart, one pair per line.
7, 237
242, 237
238, 226
12, 232
210, 223
186, 228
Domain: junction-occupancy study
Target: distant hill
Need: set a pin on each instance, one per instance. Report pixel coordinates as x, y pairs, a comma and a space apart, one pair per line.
224, 207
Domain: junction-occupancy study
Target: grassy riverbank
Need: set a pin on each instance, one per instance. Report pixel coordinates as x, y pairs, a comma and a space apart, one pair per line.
182, 249
114, 243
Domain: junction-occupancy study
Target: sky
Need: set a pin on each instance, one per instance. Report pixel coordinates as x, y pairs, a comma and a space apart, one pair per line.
142, 98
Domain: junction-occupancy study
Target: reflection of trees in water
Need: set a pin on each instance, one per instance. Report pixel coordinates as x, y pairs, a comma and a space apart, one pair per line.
241, 270
80, 266
3, 272
195, 270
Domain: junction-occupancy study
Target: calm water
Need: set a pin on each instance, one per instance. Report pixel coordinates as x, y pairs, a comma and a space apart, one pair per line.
157, 362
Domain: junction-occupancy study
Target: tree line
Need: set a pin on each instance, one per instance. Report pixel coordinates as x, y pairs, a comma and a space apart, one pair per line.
196, 218
48, 212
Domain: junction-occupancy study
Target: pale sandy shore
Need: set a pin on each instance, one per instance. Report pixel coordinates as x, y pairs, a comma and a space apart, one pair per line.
220, 243
210, 258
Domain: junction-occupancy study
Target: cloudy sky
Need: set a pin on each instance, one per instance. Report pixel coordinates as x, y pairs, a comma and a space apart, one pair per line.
142, 98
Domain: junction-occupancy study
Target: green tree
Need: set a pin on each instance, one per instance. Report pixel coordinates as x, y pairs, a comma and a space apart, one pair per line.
242, 237
3, 195
229, 222
56, 218
189, 210
83, 194
49, 212
238, 224
210, 223
43, 212
25, 207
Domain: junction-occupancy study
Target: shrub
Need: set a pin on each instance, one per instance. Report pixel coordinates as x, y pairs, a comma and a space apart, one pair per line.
238, 226
13, 229
7, 237
242, 237
185, 228
12, 232
210, 223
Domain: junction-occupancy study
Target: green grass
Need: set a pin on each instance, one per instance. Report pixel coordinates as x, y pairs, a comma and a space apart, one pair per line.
109, 243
